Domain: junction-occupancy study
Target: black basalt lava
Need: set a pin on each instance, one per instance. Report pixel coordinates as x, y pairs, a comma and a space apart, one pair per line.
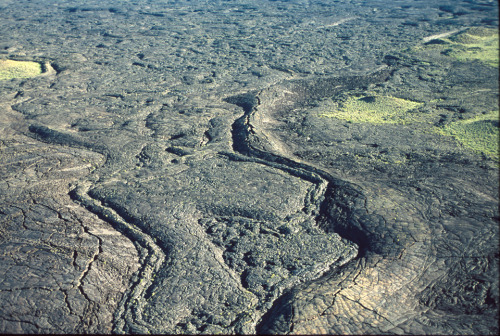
174, 172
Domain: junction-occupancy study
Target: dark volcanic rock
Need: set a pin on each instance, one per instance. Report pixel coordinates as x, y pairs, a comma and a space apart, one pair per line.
63, 270
177, 169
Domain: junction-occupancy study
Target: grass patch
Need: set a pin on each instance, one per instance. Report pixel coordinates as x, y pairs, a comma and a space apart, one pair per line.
375, 109
481, 134
476, 43
19, 69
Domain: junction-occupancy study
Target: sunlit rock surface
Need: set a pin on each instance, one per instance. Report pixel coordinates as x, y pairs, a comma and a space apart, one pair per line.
249, 167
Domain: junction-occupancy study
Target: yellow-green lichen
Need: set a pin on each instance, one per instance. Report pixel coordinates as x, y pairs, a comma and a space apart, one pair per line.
19, 69
481, 134
376, 109
476, 43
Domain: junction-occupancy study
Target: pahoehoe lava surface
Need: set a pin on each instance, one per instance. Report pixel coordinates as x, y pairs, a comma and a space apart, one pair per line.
180, 167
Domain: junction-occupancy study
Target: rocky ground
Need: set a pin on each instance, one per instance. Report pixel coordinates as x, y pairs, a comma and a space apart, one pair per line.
182, 167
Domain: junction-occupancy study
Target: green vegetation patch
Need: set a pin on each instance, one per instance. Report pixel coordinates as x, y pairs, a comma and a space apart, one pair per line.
19, 69
473, 44
376, 109
480, 134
